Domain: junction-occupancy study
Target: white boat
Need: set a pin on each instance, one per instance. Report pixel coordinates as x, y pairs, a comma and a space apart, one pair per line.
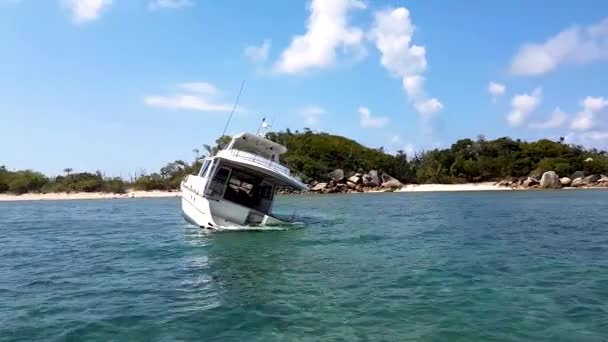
237, 186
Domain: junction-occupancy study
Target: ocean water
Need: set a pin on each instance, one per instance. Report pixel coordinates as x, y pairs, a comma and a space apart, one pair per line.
492, 266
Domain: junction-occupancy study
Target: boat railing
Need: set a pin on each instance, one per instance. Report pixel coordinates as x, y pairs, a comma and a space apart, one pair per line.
263, 161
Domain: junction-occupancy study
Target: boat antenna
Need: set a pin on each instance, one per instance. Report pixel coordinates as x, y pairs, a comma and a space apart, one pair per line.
261, 125
233, 108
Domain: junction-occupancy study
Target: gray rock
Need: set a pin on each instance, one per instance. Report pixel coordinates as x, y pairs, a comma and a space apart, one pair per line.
375, 178
565, 181
591, 179
358, 174
351, 185
355, 179
577, 174
393, 184
337, 175
550, 180
578, 182
603, 179
319, 187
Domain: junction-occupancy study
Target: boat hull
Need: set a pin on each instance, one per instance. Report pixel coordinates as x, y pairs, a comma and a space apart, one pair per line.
215, 214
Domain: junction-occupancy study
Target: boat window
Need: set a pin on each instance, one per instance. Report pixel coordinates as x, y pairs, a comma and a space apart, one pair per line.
216, 188
266, 191
205, 168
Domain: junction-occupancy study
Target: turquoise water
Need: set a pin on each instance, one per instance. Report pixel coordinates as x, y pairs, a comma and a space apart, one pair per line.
504, 266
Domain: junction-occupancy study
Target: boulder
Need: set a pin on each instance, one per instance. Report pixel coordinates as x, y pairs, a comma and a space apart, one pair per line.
578, 182
375, 178
603, 179
337, 176
550, 180
392, 184
577, 174
591, 179
565, 181
319, 187
358, 174
351, 185
355, 179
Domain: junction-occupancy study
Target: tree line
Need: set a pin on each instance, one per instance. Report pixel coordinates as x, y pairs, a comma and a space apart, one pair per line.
314, 155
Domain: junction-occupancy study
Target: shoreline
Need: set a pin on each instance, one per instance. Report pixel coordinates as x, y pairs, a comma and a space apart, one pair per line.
466, 187
62, 196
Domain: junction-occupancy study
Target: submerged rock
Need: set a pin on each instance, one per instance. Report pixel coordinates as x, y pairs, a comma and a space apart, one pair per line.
550, 180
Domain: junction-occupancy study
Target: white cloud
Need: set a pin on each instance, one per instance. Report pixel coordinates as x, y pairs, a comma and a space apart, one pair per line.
258, 53
428, 107
522, 105
395, 139
86, 10
392, 33
171, 4
312, 114
575, 45
367, 121
496, 90
199, 87
590, 138
327, 30
591, 106
196, 96
557, 118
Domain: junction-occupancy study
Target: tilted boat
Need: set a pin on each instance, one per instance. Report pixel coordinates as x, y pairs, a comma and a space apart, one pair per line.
237, 186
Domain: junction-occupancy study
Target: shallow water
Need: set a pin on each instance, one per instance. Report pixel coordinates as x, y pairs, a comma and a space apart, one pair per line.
492, 266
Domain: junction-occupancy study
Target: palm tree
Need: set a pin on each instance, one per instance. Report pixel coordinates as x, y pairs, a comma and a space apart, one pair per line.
67, 170
196, 153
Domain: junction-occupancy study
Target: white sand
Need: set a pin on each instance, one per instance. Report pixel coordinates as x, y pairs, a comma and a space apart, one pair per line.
88, 195
487, 186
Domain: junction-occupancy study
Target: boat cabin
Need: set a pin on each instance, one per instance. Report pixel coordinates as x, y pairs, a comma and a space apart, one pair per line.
234, 183
245, 172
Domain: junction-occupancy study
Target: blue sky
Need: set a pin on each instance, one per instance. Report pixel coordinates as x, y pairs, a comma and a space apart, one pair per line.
124, 86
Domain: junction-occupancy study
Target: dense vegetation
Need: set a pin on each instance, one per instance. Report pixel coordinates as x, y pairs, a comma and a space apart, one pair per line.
467, 160
316, 154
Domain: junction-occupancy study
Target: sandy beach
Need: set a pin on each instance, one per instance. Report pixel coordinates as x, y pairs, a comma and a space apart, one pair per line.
489, 186
87, 195
486, 186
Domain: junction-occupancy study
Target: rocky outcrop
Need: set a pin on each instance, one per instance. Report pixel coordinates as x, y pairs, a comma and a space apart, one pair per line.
565, 181
550, 180
603, 179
